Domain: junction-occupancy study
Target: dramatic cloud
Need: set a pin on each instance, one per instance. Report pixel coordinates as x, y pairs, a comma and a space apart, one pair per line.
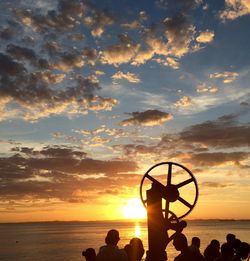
218, 158
41, 78
180, 33
235, 9
142, 56
208, 144
224, 132
67, 15
98, 21
69, 61
147, 118
131, 77
205, 37
37, 99
60, 173
122, 52
227, 77
155, 45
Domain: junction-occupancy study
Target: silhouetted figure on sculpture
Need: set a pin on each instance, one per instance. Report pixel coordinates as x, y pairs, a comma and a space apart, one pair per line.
111, 252
212, 251
180, 244
227, 253
89, 254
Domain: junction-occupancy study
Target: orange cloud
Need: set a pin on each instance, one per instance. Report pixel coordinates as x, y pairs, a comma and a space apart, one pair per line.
183, 102
131, 77
235, 9
179, 32
122, 52
205, 37
205, 88
227, 77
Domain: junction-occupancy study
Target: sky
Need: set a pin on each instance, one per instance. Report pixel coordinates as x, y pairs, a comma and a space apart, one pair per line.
94, 93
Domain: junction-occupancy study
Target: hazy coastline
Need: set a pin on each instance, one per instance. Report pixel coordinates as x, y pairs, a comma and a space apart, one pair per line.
121, 221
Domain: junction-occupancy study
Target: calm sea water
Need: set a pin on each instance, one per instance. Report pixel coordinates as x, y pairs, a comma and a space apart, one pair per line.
64, 241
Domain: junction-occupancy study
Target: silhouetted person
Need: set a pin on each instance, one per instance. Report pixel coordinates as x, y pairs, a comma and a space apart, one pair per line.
111, 252
236, 246
89, 254
137, 249
243, 252
230, 238
180, 244
212, 251
195, 245
227, 253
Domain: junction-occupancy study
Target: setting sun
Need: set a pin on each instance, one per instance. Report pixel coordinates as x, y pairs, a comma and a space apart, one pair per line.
134, 209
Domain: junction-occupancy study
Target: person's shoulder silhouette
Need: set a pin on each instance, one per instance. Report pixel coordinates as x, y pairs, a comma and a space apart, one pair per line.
180, 243
111, 252
227, 253
212, 251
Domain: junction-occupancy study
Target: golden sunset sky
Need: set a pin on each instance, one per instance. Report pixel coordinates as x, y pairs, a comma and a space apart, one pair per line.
94, 93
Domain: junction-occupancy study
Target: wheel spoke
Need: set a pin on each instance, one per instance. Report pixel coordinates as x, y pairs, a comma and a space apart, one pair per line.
184, 183
183, 201
169, 174
155, 181
166, 209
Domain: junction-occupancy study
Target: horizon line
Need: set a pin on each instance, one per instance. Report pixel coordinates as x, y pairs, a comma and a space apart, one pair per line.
119, 220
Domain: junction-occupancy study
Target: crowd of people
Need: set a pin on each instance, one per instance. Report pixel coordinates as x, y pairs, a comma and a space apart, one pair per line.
232, 250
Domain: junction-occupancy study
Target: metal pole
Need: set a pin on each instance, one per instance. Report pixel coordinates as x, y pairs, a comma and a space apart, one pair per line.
157, 232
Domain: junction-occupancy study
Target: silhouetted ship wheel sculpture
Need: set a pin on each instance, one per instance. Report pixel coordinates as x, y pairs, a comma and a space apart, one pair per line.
161, 219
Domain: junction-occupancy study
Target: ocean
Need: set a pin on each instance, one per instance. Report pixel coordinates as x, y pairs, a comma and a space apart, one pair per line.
65, 241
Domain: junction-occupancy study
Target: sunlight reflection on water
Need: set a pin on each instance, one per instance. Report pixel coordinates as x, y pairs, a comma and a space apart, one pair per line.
137, 230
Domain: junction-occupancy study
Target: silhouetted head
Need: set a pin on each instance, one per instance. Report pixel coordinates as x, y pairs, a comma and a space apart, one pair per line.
180, 242
135, 241
215, 244
112, 237
196, 242
137, 249
236, 244
227, 250
230, 238
89, 254
244, 250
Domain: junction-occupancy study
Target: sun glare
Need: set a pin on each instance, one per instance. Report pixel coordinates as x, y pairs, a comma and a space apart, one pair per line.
134, 209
